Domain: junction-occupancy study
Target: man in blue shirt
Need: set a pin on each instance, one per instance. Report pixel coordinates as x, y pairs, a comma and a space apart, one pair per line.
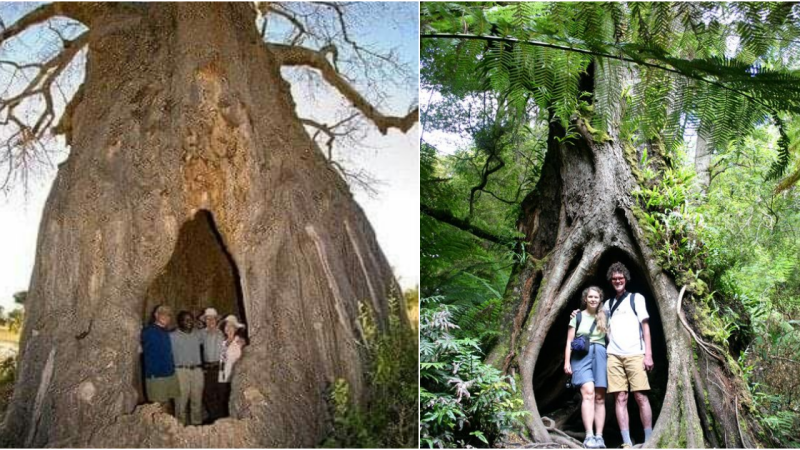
161, 384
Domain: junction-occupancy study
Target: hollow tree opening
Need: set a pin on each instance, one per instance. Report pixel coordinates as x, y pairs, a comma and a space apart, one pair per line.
554, 400
200, 274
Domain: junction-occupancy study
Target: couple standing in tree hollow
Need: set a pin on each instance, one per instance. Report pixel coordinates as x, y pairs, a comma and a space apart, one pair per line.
623, 322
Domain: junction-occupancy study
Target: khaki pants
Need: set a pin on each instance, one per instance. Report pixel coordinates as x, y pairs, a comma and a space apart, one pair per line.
191, 382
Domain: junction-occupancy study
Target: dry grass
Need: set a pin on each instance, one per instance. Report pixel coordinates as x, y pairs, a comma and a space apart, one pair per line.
8, 336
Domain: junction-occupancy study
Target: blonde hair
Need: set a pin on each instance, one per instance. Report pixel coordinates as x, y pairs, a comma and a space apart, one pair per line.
601, 314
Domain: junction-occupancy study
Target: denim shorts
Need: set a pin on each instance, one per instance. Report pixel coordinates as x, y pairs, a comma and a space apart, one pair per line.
590, 367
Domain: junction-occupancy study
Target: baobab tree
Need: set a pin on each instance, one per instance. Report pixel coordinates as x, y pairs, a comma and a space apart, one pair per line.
616, 86
192, 181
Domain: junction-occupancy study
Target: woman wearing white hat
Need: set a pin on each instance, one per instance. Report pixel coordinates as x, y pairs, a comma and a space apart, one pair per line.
231, 349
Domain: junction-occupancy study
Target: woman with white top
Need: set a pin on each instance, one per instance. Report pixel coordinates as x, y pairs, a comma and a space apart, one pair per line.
231, 347
229, 354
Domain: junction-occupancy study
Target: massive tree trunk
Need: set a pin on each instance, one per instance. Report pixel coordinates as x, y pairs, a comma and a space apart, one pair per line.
578, 221
192, 182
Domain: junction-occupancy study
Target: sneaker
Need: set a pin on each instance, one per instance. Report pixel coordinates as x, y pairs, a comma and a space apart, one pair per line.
599, 442
589, 442
624, 445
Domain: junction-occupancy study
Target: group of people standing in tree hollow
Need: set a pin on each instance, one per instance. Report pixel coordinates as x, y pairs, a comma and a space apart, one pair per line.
191, 367
622, 324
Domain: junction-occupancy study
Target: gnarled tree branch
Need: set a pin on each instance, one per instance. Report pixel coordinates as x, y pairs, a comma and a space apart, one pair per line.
279, 9
448, 218
288, 55
80, 11
22, 148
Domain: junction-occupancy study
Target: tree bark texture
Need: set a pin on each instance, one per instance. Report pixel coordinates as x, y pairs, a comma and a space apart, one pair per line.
184, 113
584, 201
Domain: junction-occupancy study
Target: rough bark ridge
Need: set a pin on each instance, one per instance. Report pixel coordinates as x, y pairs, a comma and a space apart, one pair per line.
183, 109
594, 210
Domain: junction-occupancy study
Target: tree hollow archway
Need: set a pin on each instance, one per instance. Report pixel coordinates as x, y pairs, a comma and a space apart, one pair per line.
200, 274
562, 405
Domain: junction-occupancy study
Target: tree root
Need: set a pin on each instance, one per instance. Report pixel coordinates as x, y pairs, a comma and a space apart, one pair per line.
704, 345
559, 435
539, 445
738, 426
699, 396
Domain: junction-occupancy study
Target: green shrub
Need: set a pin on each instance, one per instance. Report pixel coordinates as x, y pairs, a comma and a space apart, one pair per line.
464, 401
390, 416
8, 374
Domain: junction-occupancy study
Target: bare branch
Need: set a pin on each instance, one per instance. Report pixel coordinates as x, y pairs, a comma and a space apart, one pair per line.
360, 51
22, 147
288, 55
279, 9
788, 182
40, 85
344, 128
82, 12
37, 16
330, 131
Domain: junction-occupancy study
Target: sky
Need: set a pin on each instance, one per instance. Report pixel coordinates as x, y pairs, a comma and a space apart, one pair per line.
445, 142
393, 160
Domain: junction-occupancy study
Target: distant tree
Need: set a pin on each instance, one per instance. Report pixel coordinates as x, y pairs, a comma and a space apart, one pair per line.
3, 321
20, 297
15, 318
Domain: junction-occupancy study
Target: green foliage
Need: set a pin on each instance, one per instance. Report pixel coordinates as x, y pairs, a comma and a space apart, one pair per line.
349, 423
464, 401
8, 375
20, 297
390, 418
676, 60
753, 243
675, 232
468, 273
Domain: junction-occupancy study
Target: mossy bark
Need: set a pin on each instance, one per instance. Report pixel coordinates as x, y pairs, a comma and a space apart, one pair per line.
594, 213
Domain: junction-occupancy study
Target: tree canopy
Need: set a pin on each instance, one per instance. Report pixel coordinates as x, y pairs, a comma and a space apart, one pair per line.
40, 86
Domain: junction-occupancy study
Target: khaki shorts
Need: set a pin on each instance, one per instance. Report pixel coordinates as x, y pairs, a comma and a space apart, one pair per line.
162, 389
627, 371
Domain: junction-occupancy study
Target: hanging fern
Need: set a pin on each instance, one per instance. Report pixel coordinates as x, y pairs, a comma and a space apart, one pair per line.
779, 167
682, 67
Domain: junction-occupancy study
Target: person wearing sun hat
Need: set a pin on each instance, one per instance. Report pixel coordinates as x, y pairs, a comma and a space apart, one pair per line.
230, 352
211, 338
231, 349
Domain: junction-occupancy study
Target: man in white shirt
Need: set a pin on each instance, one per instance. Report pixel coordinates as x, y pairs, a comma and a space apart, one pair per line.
214, 393
629, 351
